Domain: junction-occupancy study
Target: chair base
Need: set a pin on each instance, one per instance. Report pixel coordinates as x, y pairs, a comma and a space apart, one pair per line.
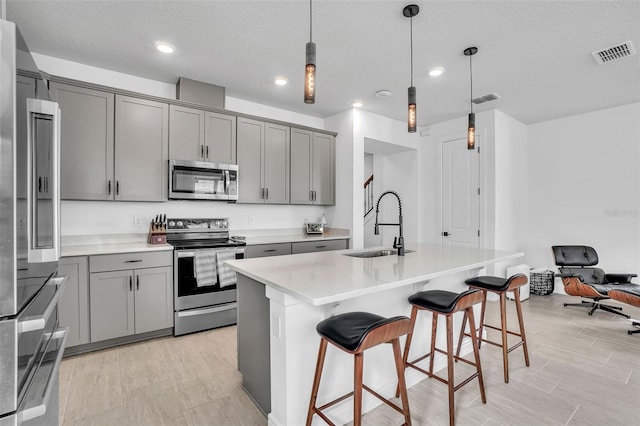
595, 305
635, 324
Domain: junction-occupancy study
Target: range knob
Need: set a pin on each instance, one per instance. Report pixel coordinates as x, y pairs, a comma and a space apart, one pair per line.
171, 224
180, 224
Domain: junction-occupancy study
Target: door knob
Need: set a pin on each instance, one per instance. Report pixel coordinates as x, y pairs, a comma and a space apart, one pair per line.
446, 234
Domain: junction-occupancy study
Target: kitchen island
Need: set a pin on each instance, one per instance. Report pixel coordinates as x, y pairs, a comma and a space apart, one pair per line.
281, 299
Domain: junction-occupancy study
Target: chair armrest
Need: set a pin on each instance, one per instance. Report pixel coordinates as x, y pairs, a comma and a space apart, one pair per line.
567, 275
619, 278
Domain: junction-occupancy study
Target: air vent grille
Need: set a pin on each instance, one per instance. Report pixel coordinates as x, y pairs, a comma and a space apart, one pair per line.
614, 53
485, 98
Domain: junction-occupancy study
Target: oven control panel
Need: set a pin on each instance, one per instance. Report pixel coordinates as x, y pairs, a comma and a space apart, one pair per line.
175, 224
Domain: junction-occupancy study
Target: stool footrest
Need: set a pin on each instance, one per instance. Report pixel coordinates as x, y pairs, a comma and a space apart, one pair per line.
382, 398
513, 333
440, 379
318, 410
480, 339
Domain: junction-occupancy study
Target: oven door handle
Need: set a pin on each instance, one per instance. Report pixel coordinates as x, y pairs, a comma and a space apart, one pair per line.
194, 312
38, 407
38, 322
182, 254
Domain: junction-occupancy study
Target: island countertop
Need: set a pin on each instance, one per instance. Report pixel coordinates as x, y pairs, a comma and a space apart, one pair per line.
329, 277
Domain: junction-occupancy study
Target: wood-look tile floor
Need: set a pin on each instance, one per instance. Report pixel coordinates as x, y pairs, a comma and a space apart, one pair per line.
585, 370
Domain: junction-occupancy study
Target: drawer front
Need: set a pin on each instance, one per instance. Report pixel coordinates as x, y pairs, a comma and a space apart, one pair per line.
119, 262
312, 246
264, 250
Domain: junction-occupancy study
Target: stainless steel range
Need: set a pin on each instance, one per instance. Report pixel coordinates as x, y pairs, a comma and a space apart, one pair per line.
204, 287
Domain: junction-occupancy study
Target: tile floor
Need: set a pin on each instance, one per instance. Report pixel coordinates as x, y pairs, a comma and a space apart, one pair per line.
585, 370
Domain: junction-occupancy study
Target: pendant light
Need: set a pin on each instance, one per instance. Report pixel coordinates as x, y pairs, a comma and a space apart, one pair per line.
310, 68
471, 130
410, 11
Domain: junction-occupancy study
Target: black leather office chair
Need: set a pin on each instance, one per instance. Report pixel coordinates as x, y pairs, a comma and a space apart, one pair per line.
581, 279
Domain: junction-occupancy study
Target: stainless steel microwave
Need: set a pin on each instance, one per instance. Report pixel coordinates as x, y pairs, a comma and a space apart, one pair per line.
197, 180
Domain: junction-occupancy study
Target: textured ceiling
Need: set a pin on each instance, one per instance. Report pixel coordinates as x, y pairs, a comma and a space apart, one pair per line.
535, 54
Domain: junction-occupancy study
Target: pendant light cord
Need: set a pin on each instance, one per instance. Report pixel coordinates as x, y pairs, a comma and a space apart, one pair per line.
310, 22
411, 50
471, 80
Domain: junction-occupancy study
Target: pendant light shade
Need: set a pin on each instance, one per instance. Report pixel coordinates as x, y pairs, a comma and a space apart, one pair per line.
471, 129
310, 68
410, 11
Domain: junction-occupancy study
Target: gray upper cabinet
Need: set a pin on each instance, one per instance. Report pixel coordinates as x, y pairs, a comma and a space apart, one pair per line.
263, 153
141, 149
186, 137
86, 149
220, 138
198, 135
312, 167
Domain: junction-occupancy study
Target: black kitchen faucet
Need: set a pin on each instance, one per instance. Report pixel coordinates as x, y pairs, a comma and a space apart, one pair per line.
398, 242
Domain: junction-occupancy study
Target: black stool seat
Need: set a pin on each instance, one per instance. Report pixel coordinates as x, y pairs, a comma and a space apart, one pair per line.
438, 300
489, 282
349, 330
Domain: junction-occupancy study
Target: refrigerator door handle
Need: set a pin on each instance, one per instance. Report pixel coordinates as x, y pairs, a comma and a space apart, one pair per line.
38, 112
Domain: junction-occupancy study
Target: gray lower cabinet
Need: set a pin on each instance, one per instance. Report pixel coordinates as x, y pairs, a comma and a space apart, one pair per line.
73, 306
315, 246
126, 301
86, 148
264, 250
198, 135
263, 156
141, 149
312, 168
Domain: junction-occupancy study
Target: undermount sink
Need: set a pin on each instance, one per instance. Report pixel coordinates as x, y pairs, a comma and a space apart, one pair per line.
376, 253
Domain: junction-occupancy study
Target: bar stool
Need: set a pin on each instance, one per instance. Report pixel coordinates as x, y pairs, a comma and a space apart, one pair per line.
447, 303
500, 286
355, 332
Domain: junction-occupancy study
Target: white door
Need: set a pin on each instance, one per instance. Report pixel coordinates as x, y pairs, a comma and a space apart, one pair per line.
460, 194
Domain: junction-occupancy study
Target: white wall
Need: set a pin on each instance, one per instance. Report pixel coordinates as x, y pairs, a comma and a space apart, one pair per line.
584, 187
103, 217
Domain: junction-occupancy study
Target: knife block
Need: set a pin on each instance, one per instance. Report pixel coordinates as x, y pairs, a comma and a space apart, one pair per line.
157, 234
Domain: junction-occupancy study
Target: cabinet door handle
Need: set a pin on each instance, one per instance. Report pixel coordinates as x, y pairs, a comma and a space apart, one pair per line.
117, 187
109, 188
310, 195
133, 261
207, 152
201, 151
130, 283
321, 246
40, 184
137, 282
269, 250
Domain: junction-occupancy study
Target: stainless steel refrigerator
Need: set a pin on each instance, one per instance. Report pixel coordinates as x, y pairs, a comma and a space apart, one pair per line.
31, 342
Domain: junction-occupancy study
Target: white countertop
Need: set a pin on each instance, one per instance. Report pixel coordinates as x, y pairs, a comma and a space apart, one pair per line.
87, 245
277, 236
328, 277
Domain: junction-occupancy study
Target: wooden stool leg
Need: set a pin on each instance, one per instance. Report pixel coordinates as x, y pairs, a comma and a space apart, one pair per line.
503, 323
434, 329
316, 380
521, 322
476, 354
483, 309
357, 389
450, 369
402, 385
407, 344
464, 325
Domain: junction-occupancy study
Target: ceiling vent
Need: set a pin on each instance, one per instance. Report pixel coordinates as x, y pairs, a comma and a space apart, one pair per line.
485, 98
614, 53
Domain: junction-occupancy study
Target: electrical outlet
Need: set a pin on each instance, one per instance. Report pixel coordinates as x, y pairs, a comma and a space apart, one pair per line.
250, 220
138, 221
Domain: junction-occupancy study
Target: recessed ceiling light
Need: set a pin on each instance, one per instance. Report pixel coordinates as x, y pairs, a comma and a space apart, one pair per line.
383, 93
164, 47
436, 71
356, 104
281, 81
